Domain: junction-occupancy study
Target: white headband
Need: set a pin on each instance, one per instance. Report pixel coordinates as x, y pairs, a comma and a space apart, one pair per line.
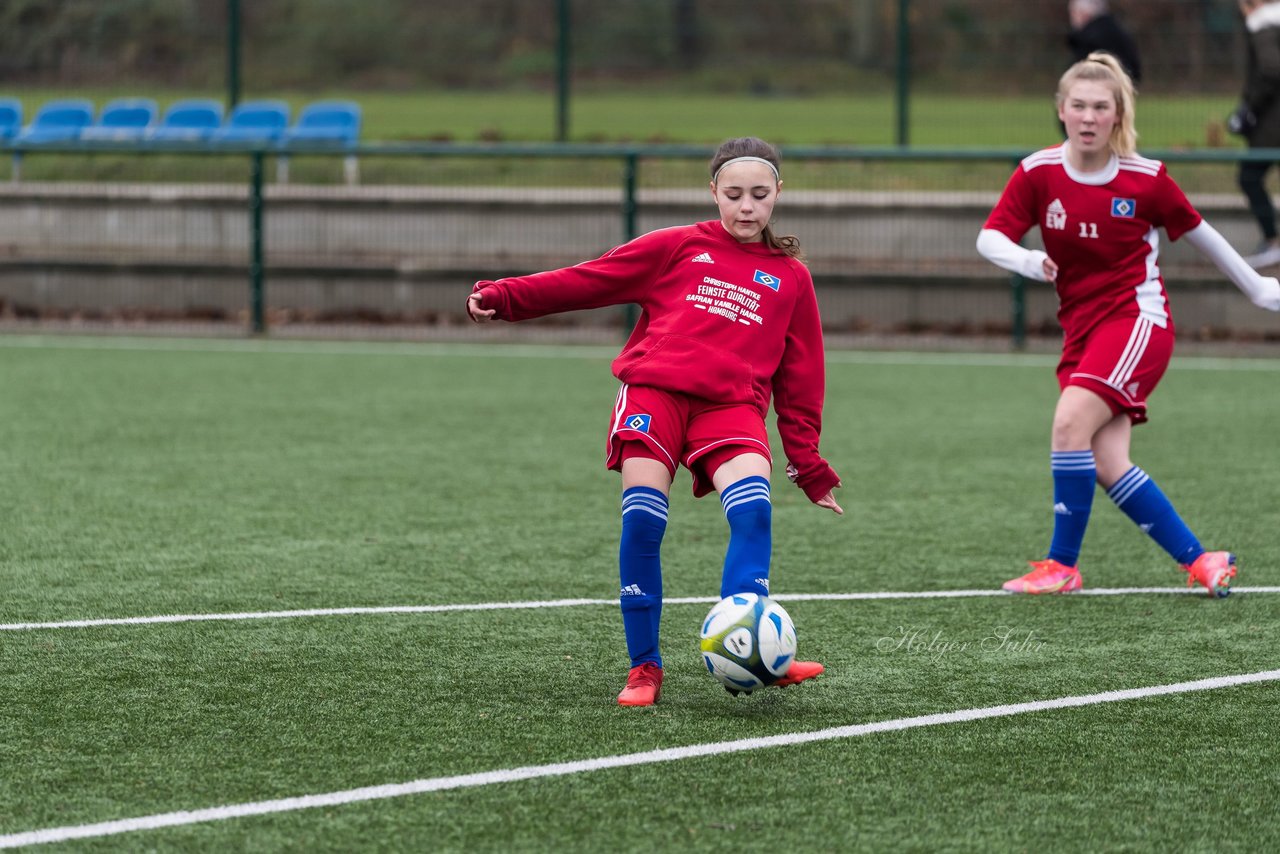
772, 168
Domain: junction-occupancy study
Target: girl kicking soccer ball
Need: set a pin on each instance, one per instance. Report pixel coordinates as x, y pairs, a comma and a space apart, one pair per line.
728, 322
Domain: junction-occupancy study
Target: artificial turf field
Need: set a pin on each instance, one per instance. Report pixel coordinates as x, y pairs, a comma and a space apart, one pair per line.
238, 479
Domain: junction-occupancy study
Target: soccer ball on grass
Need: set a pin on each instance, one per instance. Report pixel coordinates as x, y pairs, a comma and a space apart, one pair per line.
748, 642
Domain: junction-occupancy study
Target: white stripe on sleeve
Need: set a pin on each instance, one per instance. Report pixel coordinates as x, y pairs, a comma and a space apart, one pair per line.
997, 248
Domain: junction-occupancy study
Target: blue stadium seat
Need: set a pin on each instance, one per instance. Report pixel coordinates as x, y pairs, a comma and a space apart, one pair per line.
326, 122
123, 119
58, 121
189, 120
10, 117
254, 121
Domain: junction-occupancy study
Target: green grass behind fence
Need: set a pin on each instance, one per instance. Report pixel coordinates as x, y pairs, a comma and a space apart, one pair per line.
858, 117
644, 116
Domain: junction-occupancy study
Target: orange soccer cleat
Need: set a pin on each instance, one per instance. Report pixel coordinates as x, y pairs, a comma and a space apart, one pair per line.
1214, 570
1046, 576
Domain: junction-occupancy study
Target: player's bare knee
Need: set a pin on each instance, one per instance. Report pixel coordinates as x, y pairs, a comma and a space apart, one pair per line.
1071, 432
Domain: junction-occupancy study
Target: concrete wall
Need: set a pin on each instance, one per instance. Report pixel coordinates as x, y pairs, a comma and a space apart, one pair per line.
883, 261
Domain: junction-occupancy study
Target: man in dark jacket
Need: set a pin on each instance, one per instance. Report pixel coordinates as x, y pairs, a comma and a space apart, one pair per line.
1257, 119
1093, 28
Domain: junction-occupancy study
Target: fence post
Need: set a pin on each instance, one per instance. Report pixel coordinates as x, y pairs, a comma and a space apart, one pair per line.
233, 53
1018, 300
903, 74
630, 166
1018, 296
563, 35
257, 301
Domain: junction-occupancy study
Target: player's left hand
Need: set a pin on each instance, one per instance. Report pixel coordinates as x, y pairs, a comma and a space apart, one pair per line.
475, 312
1269, 295
829, 501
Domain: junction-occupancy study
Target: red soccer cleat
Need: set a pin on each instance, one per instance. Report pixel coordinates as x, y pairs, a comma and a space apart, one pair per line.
644, 686
800, 671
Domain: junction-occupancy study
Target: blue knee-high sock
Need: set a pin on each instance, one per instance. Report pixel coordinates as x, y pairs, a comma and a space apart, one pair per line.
1142, 501
1074, 477
750, 514
644, 521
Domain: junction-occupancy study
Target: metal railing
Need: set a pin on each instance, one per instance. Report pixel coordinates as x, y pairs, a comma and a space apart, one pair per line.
630, 160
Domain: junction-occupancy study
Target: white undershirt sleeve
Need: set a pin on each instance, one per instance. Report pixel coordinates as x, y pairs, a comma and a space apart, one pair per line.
1003, 252
1263, 291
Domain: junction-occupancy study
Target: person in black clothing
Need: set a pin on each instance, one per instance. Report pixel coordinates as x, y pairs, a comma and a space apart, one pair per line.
1257, 119
1093, 28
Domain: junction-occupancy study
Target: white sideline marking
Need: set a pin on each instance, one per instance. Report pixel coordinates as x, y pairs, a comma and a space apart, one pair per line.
559, 351
314, 612
572, 603
560, 769
304, 347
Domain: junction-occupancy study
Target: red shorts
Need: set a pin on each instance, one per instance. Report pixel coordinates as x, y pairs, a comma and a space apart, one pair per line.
1121, 361
678, 429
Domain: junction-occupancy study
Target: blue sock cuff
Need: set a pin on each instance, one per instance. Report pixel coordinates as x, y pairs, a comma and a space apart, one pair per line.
745, 495
1073, 462
1129, 483
645, 500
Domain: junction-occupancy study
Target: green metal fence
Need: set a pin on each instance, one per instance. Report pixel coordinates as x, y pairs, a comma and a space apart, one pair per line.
264, 240
918, 55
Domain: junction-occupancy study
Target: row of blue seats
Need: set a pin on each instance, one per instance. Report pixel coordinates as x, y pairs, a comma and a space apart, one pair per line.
190, 120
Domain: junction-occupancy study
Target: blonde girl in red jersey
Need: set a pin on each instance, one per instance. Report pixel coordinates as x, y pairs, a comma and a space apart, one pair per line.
1098, 205
728, 323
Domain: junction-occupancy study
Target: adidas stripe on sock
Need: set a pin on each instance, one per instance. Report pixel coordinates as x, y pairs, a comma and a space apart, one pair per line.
749, 511
1074, 476
644, 522
1143, 501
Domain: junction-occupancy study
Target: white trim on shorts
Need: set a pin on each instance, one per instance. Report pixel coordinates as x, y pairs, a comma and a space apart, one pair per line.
1130, 358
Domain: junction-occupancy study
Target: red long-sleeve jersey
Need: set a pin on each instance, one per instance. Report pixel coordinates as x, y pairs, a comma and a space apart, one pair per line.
1100, 228
721, 320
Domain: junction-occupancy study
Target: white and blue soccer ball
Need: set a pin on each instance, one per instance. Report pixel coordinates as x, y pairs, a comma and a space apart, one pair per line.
748, 642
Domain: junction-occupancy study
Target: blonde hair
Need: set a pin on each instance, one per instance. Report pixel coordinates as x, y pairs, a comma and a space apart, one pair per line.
750, 146
1102, 67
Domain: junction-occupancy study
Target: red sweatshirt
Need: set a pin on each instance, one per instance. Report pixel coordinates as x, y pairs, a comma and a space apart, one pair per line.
722, 320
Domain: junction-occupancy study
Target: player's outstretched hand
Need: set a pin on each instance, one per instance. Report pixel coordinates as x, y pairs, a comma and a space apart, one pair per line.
1268, 296
475, 312
829, 501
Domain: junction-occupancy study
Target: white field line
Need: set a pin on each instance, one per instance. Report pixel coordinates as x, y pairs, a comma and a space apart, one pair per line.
573, 603
303, 347
583, 766
556, 351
